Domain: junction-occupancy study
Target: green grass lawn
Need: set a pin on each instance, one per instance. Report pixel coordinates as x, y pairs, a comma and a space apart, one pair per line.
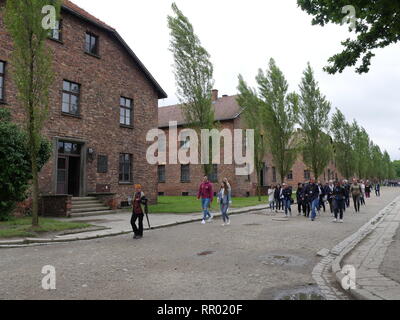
23, 227
178, 204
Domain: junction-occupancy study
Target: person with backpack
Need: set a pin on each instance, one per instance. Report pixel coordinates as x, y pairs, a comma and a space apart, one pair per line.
377, 189
368, 188
355, 191
139, 200
312, 192
339, 196
225, 200
299, 198
277, 196
286, 196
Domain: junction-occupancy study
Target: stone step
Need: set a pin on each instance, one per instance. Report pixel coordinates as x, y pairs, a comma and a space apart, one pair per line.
94, 213
83, 198
79, 205
90, 209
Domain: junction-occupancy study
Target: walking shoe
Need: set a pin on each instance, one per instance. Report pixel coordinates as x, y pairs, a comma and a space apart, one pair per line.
211, 218
341, 220
223, 224
334, 220
203, 222
228, 223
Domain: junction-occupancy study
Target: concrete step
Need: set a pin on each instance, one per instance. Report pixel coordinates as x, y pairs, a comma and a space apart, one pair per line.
91, 209
82, 205
83, 198
95, 213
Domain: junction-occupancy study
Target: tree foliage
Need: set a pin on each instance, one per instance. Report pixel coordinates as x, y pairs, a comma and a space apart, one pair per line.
252, 109
193, 73
15, 163
343, 135
377, 26
273, 111
32, 74
314, 121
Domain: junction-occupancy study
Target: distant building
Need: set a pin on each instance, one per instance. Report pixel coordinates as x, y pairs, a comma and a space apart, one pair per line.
177, 179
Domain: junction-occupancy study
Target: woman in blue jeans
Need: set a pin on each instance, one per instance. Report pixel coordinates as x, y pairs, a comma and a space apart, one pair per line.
225, 199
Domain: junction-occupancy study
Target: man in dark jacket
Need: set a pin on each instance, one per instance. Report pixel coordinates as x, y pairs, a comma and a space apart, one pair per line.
278, 200
346, 187
287, 199
299, 198
312, 192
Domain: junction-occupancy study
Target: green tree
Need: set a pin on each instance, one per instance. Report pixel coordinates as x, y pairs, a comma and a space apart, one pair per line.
252, 109
32, 73
387, 166
193, 73
314, 121
378, 172
396, 167
361, 143
273, 112
344, 155
377, 26
15, 163
280, 117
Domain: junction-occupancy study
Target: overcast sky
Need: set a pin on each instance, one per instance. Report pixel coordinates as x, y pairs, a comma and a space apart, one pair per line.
241, 37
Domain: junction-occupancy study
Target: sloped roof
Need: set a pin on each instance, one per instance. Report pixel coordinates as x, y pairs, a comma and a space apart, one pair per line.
82, 14
226, 108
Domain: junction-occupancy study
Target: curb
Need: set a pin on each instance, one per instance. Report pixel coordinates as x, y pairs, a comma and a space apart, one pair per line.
29, 242
338, 253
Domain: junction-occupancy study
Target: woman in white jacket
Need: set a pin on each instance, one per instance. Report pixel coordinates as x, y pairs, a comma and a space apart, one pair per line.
271, 199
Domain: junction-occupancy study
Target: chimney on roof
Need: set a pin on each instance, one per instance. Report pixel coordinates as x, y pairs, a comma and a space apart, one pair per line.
214, 95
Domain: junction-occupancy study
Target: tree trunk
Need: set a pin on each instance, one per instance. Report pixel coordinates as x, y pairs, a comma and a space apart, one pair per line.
35, 192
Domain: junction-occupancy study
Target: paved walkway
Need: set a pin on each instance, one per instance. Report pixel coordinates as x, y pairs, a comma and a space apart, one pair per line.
372, 258
119, 223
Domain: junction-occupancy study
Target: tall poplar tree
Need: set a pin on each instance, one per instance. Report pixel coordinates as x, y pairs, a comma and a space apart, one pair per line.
314, 121
279, 115
32, 73
342, 133
193, 73
252, 109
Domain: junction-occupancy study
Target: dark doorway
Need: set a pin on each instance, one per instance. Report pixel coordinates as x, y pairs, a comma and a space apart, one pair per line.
68, 168
74, 165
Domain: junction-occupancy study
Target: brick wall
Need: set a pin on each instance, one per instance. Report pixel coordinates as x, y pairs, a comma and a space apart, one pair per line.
103, 80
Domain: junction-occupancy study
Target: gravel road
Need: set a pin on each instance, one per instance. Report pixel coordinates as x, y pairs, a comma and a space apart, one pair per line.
256, 257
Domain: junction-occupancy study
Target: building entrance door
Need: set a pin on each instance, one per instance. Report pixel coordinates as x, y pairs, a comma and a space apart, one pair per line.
68, 168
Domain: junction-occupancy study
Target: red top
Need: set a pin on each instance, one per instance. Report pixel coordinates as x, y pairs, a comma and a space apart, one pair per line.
206, 191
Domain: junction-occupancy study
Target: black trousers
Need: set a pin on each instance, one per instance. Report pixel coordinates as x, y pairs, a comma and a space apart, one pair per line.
299, 205
321, 203
330, 200
339, 206
356, 200
138, 231
306, 208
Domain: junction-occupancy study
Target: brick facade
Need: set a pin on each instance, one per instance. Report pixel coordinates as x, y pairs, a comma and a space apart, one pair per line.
103, 80
242, 186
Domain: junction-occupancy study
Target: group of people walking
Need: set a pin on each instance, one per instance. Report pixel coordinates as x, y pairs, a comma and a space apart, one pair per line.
311, 197
224, 198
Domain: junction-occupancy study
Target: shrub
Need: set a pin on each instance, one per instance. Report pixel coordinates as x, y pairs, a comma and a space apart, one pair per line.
15, 165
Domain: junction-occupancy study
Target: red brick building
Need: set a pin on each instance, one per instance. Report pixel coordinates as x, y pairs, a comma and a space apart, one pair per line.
102, 103
177, 179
